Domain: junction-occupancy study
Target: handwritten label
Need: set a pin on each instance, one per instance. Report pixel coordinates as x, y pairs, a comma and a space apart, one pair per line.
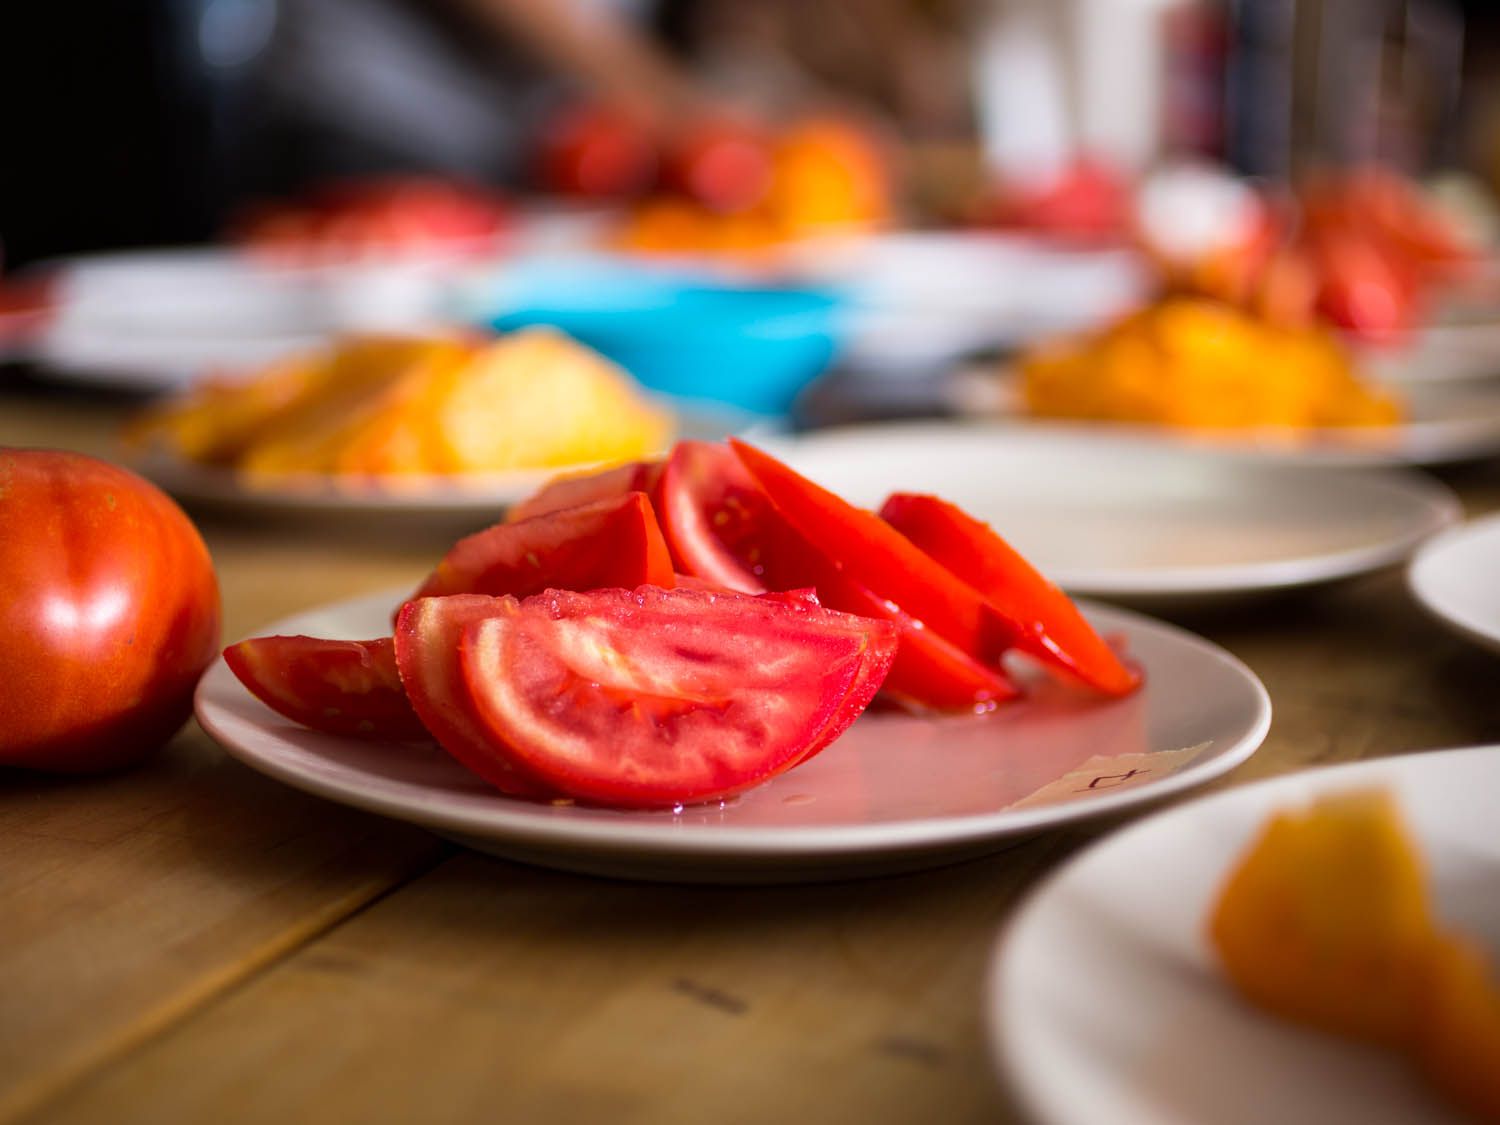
1102, 774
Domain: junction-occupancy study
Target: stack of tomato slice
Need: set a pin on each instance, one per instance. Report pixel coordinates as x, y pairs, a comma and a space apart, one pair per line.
679, 631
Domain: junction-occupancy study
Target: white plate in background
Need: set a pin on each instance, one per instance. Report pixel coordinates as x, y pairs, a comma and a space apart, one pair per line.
1105, 1005
1446, 423
895, 792
1133, 519
1456, 578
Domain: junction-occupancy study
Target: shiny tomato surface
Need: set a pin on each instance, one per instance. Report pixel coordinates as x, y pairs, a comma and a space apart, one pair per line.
109, 612
340, 687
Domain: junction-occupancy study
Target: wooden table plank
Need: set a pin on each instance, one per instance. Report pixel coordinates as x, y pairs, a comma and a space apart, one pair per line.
487, 989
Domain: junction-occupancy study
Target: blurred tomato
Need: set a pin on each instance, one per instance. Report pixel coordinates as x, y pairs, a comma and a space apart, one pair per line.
721, 162
110, 613
599, 153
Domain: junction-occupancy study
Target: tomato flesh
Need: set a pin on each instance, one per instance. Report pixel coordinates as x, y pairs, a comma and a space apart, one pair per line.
429, 632
613, 542
928, 672
650, 698
572, 491
872, 553
341, 687
713, 515
1031, 613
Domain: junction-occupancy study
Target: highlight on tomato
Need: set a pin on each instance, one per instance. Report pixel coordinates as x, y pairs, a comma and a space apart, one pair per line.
109, 613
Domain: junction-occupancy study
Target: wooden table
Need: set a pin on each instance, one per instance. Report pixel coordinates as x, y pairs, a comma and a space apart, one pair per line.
192, 941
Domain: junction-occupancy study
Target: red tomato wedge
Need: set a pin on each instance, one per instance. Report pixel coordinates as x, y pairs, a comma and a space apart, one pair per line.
928, 673
713, 515
872, 553
341, 687
614, 542
1039, 618
571, 491
650, 698
428, 635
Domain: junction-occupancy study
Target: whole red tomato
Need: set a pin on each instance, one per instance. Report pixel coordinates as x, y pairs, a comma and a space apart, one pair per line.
723, 163
109, 613
597, 152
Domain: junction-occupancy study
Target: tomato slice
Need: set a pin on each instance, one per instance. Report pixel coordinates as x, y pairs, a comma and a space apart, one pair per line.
613, 542
872, 553
342, 687
928, 673
713, 515
571, 491
650, 698
1033, 614
428, 636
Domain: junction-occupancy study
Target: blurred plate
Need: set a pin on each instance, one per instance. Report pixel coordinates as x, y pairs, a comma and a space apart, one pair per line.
1441, 353
919, 298
896, 792
153, 320
1135, 520
1456, 577
1447, 423
1104, 1003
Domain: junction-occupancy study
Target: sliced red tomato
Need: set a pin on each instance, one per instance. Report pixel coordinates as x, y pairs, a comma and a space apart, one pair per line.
342, 687
614, 542
872, 553
713, 515
428, 636
1033, 614
572, 491
928, 673
652, 697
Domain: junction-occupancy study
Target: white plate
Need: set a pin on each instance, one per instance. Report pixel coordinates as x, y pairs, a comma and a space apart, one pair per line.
894, 793
1456, 577
1104, 1003
1447, 423
1442, 353
1132, 519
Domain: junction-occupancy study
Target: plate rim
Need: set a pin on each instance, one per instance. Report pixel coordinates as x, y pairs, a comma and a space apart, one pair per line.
1007, 1062
1440, 505
1418, 578
528, 824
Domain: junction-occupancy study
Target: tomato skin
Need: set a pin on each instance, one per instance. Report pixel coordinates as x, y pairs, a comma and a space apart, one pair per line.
429, 632
713, 515
723, 163
613, 542
340, 687
1031, 613
110, 613
872, 553
650, 698
573, 491
597, 152
927, 672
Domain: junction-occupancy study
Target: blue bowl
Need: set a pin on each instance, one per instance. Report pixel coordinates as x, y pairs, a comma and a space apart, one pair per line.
754, 347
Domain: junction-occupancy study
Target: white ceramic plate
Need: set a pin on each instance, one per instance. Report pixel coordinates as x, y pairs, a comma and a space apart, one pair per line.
1104, 1003
1447, 423
894, 793
1131, 519
1456, 577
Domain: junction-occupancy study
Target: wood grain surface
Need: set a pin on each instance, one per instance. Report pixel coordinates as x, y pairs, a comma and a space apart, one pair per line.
193, 942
